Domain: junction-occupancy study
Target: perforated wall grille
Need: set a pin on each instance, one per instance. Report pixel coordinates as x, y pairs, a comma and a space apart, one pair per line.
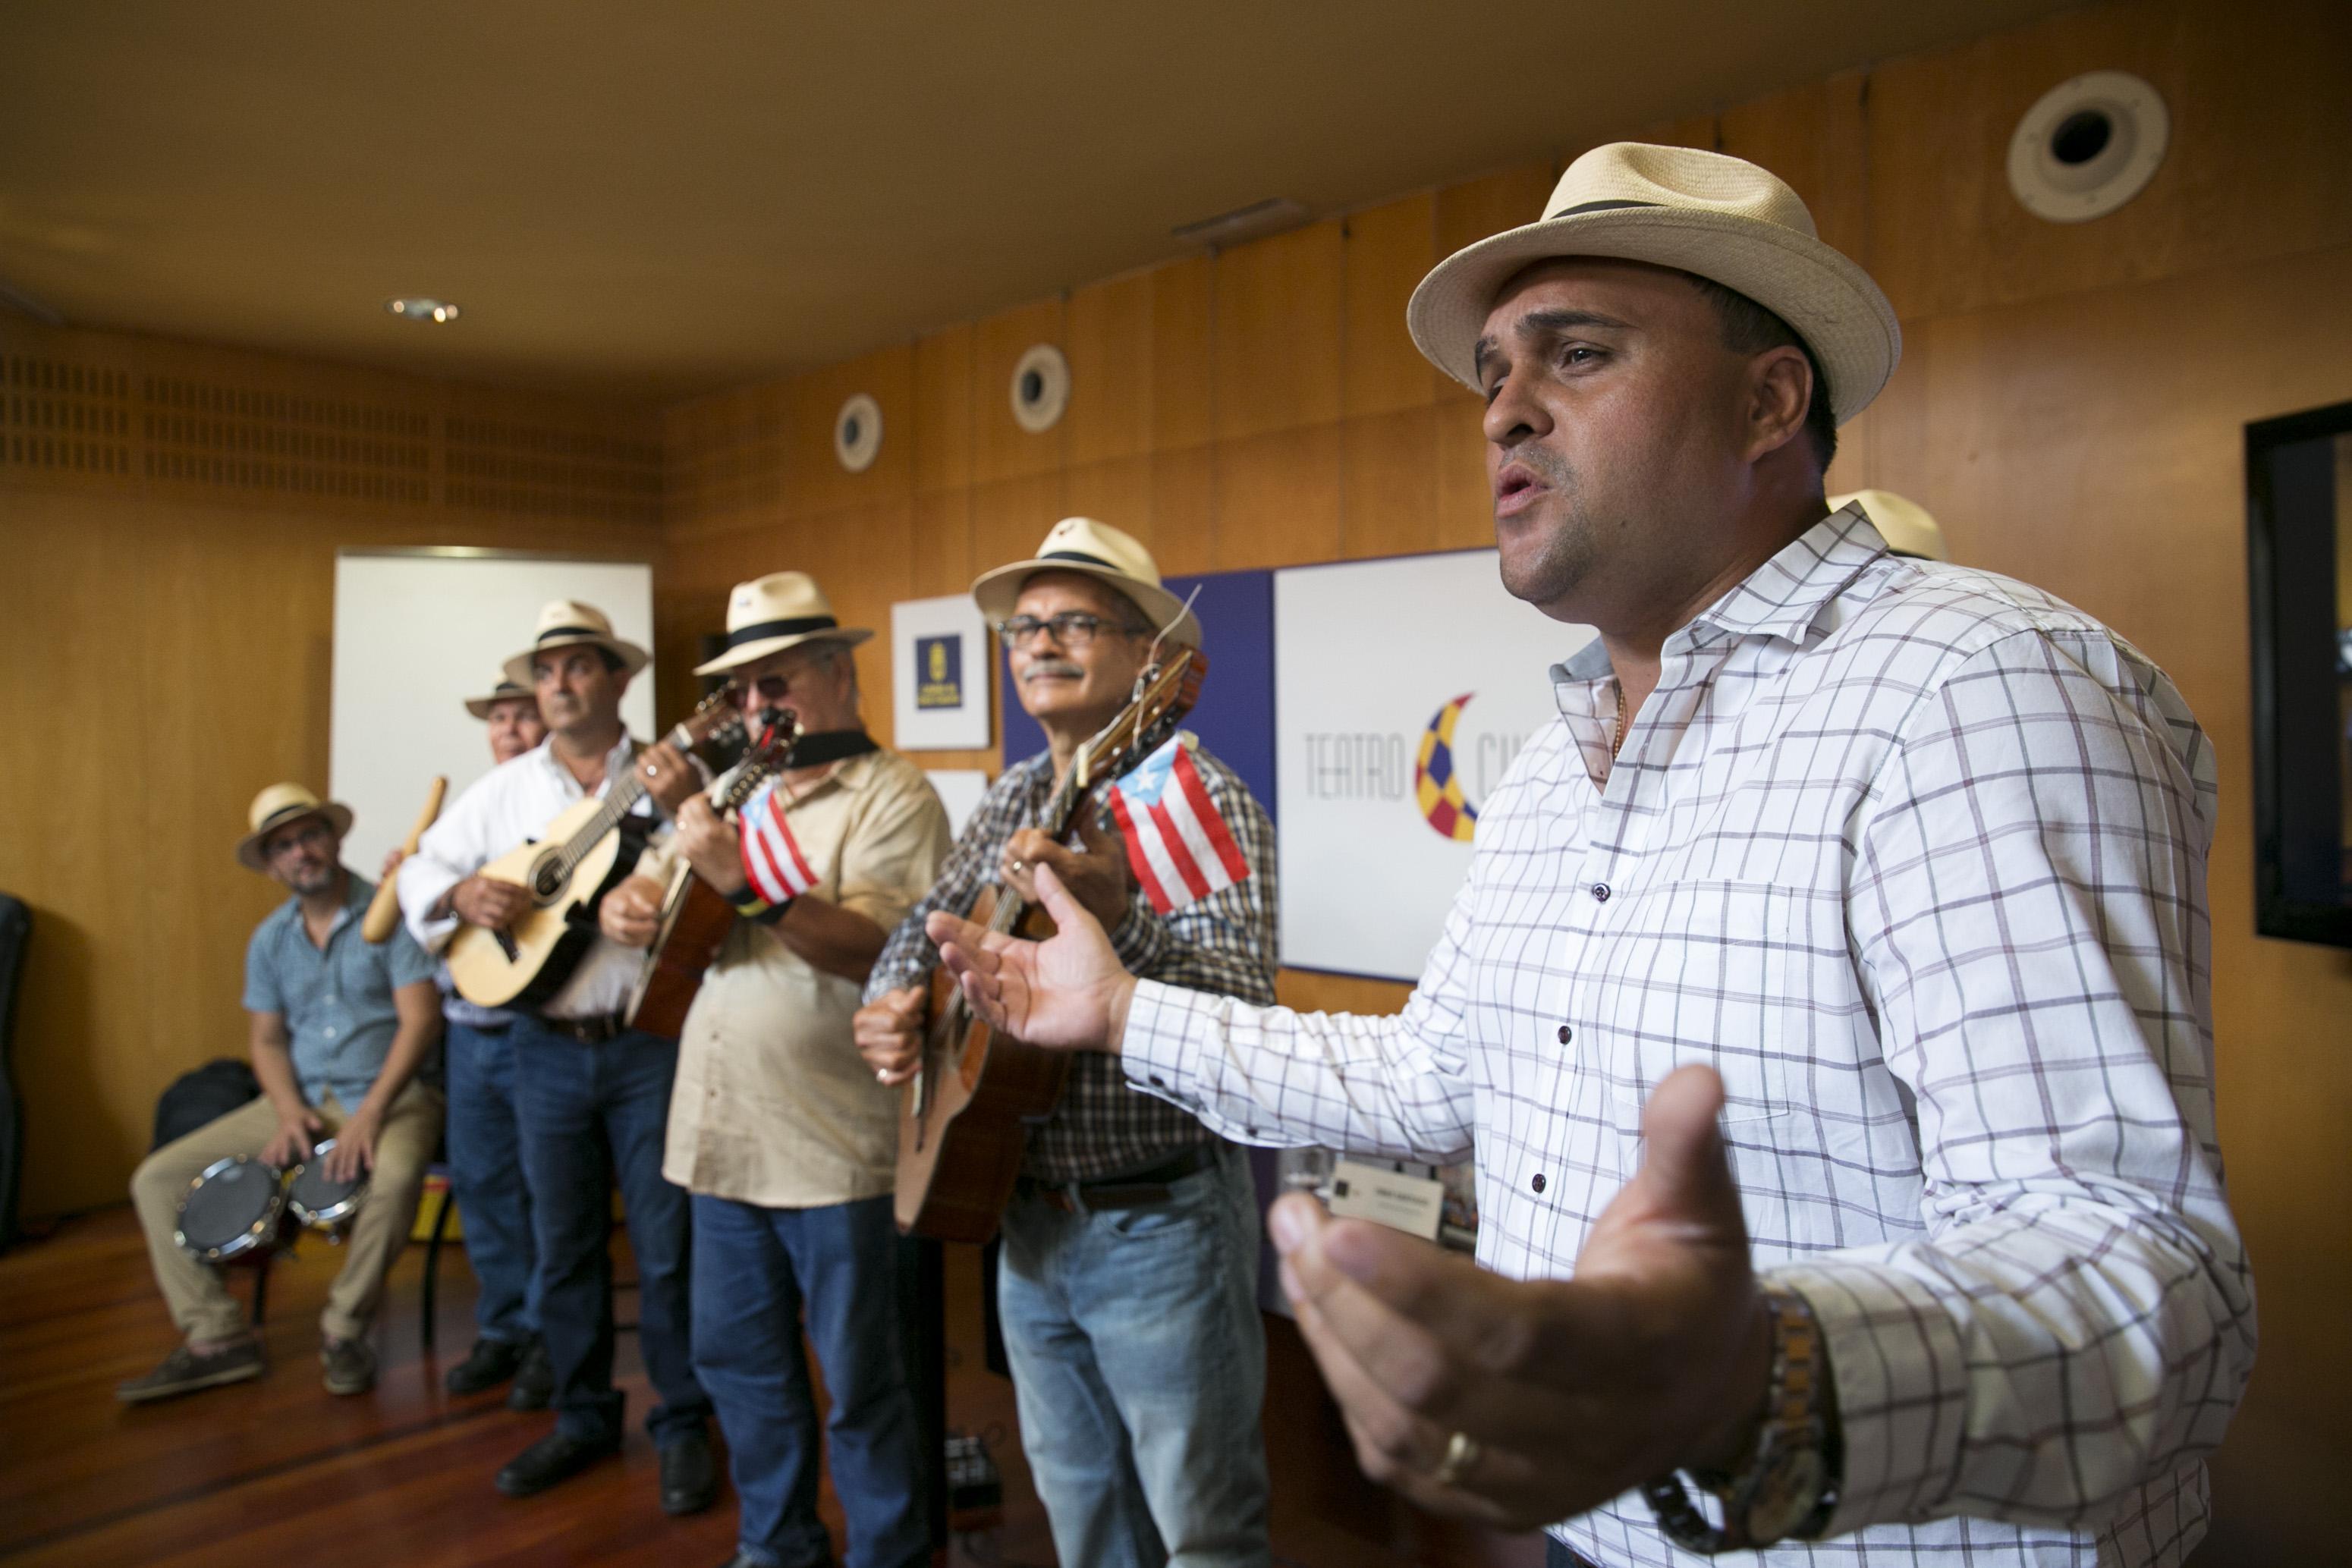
546, 472
60, 418
248, 438
726, 458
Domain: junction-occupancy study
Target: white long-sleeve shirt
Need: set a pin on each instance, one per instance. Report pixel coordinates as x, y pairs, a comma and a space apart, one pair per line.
511, 803
1914, 857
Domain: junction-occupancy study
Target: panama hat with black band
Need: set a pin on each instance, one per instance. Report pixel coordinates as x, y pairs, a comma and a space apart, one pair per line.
1715, 217
280, 805
772, 614
506, 690
568, 623
1111, 557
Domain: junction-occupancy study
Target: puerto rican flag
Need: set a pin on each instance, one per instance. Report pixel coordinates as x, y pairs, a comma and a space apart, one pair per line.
1178, 846
771, 857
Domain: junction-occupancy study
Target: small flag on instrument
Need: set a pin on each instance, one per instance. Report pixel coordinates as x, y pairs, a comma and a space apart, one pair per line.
771, 857
1177, 842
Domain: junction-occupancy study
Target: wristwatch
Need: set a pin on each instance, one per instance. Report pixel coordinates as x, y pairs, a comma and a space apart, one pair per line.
1789, 1486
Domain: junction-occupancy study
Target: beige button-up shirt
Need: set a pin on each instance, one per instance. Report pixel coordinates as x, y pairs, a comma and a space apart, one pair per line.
772, 1104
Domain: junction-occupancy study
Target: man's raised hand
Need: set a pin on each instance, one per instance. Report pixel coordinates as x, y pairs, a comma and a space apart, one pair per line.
1564, 1392
1069, 991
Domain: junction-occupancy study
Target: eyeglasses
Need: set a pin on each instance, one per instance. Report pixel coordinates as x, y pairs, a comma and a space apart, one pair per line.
309, 836
1071, 629
775, 687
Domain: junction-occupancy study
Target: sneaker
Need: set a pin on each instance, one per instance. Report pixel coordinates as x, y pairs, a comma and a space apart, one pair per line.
534, 1380
185, 1371
490, 1363
350, 1363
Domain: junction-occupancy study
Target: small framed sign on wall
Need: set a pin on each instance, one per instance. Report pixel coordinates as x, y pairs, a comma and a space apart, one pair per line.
941, 672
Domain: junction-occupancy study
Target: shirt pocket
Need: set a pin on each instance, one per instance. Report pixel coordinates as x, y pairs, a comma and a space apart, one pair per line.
1697, 972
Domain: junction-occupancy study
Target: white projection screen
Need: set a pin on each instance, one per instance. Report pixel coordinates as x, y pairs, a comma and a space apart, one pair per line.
417, 632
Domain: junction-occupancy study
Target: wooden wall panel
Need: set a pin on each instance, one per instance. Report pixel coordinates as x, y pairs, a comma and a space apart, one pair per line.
1183, 326
1002, 449
943, 410
1389, 249
1471, 211
1281, 490
1109, 351
167, 649
1279, 310
1388, 498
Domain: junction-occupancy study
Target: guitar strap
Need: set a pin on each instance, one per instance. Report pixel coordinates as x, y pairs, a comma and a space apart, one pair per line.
830, 746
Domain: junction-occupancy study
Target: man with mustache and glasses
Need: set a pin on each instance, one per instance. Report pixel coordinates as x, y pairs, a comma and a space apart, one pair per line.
1828, 1001
1129, 1281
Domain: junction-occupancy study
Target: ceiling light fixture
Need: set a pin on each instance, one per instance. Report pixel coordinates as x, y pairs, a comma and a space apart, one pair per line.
418, 308
1255, 221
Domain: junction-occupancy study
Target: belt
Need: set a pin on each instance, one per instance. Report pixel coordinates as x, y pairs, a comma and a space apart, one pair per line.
1136, 1190
594, 1030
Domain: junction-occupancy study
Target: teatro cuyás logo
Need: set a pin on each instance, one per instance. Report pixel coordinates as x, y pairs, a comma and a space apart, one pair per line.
1438, 782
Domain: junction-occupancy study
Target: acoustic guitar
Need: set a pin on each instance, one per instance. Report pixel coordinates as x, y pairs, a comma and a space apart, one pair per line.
577, 858
963, 1124
695, 918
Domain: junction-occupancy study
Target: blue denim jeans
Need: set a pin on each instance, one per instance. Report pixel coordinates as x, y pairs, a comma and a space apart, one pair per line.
590, 1114
1138, 1359
759, 1275
487, 1180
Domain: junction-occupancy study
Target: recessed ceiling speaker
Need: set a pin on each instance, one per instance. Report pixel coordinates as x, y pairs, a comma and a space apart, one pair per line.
1041, 388
2090, 145
857, 432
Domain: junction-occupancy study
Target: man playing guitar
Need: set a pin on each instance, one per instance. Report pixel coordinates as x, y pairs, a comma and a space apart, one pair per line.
591, 1096
1130, 1246
777, 1128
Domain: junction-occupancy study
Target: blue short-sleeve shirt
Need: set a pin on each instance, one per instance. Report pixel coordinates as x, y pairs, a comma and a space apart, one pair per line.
337, 1000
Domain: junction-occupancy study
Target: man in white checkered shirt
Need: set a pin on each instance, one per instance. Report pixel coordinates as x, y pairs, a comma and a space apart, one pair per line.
1828, 1001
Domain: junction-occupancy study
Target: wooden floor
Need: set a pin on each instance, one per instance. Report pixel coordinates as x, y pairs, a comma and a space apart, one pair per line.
278, 1472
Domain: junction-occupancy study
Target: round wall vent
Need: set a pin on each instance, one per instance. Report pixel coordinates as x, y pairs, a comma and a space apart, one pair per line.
857, 432
2090, 145
1041, 388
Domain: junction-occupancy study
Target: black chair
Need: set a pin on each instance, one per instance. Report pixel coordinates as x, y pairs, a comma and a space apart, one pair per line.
15, 934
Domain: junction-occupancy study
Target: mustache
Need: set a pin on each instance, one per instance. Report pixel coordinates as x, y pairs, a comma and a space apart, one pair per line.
1052, 667
1547, 465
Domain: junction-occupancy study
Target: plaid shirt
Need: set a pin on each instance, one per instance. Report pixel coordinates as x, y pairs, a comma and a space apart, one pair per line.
1915, 858
1223, 943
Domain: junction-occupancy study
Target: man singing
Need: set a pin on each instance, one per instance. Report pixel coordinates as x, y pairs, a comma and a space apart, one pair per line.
1827, 1002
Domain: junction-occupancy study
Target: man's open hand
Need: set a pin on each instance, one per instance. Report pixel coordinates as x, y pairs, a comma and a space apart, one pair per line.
1654, 1356
1069, 990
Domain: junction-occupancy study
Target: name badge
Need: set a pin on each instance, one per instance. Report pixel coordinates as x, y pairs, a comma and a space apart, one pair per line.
1413, 1205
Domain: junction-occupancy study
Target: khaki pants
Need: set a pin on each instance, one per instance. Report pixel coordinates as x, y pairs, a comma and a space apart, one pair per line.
201, 1305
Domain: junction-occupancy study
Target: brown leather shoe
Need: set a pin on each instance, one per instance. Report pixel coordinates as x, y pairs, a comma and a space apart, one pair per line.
350, 1366
185, 1371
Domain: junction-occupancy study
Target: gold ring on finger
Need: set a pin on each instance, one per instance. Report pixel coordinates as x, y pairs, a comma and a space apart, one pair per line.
1461, 1452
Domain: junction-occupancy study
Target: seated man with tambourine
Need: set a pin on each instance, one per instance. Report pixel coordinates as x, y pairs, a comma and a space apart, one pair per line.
339, 1028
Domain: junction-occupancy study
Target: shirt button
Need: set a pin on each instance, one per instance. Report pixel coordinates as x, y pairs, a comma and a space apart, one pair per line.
1566, 1034
1538, 1183
1600, 893
330, 1031
1157, 1081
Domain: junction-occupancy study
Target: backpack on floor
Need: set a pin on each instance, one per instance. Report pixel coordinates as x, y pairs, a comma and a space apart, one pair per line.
208, 1093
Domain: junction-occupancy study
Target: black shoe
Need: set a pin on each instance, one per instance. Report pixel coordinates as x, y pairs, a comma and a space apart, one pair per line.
690, 1477
534, 1379
555, 1458
490, 1363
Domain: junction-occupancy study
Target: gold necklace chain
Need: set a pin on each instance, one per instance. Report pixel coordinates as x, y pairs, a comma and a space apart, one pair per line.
1617, 741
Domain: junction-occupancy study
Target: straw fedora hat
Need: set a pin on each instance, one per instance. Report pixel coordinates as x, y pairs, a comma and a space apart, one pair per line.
1903, 524
772, 614
1102, 552
505, 691
1720, 217
278, 805
565, 623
